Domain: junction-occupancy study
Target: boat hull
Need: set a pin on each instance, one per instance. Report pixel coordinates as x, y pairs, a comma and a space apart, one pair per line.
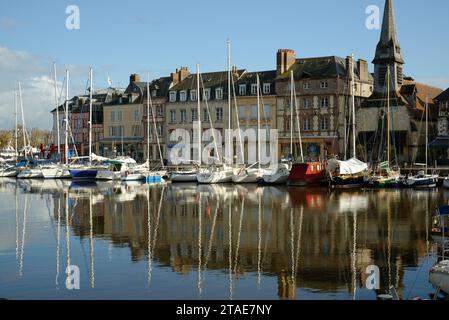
224, 176
307, 174
8, 174
439, 276
347, 182
30, 174
279, 177
55, 173
183, 177
83, 174
247, 176
107, 175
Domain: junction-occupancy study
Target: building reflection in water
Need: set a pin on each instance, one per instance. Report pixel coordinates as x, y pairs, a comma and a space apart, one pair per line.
313, 239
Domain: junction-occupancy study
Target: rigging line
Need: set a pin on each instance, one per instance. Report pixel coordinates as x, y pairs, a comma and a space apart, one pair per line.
298, 247
298, 124
211, 124
149, 248
242, 149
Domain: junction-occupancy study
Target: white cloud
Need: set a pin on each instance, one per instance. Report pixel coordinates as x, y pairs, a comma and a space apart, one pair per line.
35, 75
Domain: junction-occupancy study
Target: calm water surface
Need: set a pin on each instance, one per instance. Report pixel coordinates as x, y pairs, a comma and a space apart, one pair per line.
135, 241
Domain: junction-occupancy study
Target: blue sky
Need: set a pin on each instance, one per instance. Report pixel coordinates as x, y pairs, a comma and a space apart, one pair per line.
122, 37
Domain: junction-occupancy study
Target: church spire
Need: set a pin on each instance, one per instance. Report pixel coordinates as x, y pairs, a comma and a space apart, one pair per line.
388, 53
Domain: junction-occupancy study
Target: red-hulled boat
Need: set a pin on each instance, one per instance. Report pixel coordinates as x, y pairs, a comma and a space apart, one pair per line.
308, 174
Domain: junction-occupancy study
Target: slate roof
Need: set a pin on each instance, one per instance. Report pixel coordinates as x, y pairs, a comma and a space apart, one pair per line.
319, 67
209, 79
444, 96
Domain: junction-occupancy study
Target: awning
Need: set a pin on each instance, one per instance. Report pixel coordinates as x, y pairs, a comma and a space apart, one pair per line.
440, 143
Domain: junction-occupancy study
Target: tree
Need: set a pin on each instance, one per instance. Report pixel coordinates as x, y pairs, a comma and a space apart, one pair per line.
6, 138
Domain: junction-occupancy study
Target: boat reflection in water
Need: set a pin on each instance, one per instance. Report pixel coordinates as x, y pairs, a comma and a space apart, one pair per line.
217, 241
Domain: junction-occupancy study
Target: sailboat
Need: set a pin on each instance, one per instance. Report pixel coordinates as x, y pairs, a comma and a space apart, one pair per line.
253, 173
132, 172
89, 171
56, 170
221, 173
302, 173
423, 179
384, 176
31, 170
353, 172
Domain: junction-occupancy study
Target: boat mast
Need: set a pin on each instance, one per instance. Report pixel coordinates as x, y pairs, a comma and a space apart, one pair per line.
57, 113
291, 115
353, 109
67, 116
427, 130
90, 115
15, 127
23, 120
231, 147
258, 121
148, 123
298, 124
198, 112
150, 104
388, 116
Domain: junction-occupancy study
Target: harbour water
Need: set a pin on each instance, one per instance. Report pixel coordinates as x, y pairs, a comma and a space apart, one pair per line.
188, 241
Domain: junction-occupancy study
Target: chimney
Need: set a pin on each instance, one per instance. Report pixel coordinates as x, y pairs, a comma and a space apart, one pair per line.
179, 75
349, 66
285, 58
362, 65
134, 78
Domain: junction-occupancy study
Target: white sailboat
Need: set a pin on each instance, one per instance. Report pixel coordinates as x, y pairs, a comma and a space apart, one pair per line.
253, 173
423, 179
281, 174
57, 170
113, 172
221, 173
133, 172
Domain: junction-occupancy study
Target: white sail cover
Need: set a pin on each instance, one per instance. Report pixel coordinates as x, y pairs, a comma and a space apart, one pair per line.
352, 166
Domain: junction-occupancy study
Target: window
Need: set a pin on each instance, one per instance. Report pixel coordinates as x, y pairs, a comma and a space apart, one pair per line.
119, 116
307, 124
324, 124
219, 94
183, 116
266, 88
242, 112
172, 96
324, 85
159, 130
206, 94
193, 96
153, 93
306, 85
242, 89
306, 103
287, 122
172, 116
219, 114
112, 116
136, 114
137, 130
324, 102
115, 131
194, 115
254, 112
159, 111
266, 112
254, 89
205, 115
183, 96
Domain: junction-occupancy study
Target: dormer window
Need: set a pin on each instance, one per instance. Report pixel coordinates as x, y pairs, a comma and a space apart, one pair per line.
306, 85
193, 95
153, 93
254, 89
219, 94
324, 85
206, 94
172, 96
242, 89
266, 88
183, 96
